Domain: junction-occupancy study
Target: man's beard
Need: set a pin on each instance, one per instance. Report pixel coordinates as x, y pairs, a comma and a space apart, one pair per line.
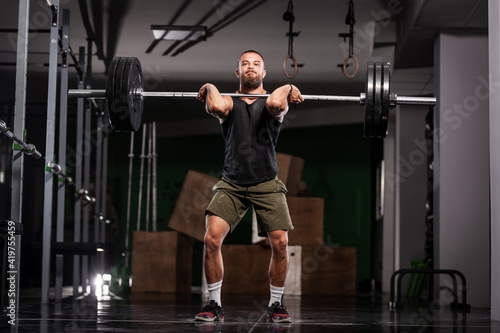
252, 82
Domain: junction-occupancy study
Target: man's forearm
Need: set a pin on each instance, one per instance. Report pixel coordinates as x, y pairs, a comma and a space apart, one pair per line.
277, 102
215, 104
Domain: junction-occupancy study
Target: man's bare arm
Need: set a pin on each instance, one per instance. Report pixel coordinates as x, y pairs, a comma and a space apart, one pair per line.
277, 102
215, 104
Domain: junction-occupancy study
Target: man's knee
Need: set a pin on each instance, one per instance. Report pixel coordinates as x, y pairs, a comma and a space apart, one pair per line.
279, 243
213, 242
217, 229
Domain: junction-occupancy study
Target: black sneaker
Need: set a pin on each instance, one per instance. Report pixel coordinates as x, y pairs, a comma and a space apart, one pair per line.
277, 313
211, 312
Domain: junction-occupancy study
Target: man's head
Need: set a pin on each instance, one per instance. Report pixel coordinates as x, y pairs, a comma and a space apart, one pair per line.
251, 70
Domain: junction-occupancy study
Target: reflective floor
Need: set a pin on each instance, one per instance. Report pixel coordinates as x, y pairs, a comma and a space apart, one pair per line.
243, 313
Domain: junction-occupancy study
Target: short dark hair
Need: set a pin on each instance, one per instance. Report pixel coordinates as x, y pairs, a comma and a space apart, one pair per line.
249, 51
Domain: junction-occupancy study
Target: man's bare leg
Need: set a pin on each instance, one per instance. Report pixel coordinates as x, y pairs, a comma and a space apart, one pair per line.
216, 230
278, 267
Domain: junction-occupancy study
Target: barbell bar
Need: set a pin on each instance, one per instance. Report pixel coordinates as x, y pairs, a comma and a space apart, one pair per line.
125, 95
399, 100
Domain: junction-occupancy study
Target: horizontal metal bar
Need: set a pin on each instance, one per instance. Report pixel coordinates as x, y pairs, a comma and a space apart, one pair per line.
45, 31
87, 93
332, 98
195, 94
169, 94
100, 93
416, 100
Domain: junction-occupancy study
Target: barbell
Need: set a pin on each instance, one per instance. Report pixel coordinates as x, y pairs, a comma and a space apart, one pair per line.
125, 96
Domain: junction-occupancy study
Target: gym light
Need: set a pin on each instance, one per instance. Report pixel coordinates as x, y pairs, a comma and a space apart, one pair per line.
179, 32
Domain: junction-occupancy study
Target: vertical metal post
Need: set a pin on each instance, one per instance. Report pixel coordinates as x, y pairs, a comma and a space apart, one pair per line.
494, 126
78, 173
104, 189
49, 152
63, 120
86, 167
155, 180
19, 124
130, 172
20, 109
97, 195
148, 187
141, 175
86, 182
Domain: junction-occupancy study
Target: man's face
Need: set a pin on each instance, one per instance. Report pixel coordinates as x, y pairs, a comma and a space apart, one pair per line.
251, 70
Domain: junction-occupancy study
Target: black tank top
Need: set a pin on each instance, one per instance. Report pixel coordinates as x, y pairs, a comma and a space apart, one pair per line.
250, 133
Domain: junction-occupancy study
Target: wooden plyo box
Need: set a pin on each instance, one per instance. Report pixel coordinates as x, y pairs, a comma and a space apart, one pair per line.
328, 270
161, 262
307, 215
313, 270
246, 270
188, 216
290, 171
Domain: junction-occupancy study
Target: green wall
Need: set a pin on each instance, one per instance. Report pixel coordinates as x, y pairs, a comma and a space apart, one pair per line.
337, 168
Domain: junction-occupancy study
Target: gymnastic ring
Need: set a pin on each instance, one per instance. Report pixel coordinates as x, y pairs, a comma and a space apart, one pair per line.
296, 67
350, 76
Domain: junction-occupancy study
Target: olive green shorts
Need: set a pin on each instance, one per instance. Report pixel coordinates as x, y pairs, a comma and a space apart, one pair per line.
230, 202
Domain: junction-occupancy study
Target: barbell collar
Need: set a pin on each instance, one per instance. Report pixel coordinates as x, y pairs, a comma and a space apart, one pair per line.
55, 168
3, 126
33, 152
362, 99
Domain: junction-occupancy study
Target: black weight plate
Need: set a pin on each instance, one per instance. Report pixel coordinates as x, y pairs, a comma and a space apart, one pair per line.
125, 101
121, 93
116, 105
386, 99
120, 113
110, 93
135, 100
377, 100
369, 90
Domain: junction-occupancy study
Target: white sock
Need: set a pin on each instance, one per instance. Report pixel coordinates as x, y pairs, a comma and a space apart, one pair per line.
214, 291
276, 294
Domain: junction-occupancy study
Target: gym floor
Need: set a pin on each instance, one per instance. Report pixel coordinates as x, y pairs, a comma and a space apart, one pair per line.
243, 313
